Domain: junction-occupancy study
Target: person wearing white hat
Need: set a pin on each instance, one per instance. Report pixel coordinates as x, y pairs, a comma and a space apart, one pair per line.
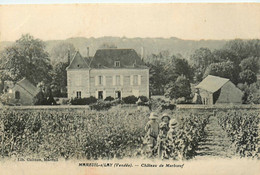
172, 131
163, 130
152, 131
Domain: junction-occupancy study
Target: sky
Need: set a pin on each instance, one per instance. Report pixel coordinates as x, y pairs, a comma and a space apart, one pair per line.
185, 21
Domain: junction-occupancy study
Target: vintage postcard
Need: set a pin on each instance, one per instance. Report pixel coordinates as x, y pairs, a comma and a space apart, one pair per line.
97, 89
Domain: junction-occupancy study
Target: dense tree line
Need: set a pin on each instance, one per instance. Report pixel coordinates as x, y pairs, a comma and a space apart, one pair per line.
238, 60
170, 75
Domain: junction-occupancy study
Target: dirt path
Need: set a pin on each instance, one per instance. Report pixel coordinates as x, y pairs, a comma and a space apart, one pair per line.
216, 143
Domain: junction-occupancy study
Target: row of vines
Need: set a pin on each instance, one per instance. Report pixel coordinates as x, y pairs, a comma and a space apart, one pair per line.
86, 134
71, 134
182, 142
242, 127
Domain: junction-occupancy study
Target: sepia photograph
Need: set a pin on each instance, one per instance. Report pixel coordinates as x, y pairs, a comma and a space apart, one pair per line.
120, 88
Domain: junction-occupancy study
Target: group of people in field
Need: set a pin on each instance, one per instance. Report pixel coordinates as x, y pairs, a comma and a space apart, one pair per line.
158, 135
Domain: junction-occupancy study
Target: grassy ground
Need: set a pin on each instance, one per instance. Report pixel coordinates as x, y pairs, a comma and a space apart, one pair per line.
216, 143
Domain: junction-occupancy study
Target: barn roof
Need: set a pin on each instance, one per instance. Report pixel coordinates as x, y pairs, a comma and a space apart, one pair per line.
28, 86
212, 83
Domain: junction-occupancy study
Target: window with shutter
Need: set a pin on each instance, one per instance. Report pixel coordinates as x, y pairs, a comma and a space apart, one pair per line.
96, 80
139, 79
114, 80
117, 79
131, 80
135, 79
104, 80
121, 80
100, 80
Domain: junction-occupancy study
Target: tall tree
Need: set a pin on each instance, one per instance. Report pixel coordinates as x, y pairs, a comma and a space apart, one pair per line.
244, 48
200, 60
59, 82
178, 89
223, 69
158, 78
27, 58
247, 76
62, 52
223, 55
251, 63
180, 66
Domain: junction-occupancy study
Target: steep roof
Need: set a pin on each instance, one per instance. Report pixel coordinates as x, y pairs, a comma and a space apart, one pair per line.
212, 83
78, 62
28, 86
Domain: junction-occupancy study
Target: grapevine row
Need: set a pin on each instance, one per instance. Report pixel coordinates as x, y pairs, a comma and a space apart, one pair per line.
242, 128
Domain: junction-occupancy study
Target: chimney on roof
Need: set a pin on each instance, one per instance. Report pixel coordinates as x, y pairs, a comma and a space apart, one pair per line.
142, 53
88, 52
69, 56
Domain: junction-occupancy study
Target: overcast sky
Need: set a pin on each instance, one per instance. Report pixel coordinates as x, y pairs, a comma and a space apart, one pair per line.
185, 21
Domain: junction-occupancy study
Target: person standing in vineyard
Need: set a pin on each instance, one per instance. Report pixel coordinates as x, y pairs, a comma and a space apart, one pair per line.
163, 130
152, 131
171, 138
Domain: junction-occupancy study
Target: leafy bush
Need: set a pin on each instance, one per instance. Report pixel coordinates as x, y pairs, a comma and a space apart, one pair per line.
43, 99
130, 99
168, 106
83, 101
183, 101
64, 101
109, 98
161, 105
101, 105
143, 98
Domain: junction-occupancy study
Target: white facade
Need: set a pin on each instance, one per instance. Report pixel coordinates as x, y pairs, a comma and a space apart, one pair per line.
102, 83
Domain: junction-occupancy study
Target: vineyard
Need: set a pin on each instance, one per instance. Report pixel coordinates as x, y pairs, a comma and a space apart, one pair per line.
87, 134
242, 128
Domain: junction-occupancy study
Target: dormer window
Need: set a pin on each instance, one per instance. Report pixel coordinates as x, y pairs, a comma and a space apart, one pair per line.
117, 63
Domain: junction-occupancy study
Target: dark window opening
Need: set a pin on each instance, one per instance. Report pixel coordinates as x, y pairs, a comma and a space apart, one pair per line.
118, 94
17, 95
117, 63
78, 94
216, 95
100, 94
100, 80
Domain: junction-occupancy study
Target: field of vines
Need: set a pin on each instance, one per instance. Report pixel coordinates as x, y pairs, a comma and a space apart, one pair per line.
242, 128
86, 134
190, 130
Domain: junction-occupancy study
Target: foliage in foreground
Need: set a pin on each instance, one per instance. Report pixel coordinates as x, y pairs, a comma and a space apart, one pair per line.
183, 141
242, 127
71, 134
